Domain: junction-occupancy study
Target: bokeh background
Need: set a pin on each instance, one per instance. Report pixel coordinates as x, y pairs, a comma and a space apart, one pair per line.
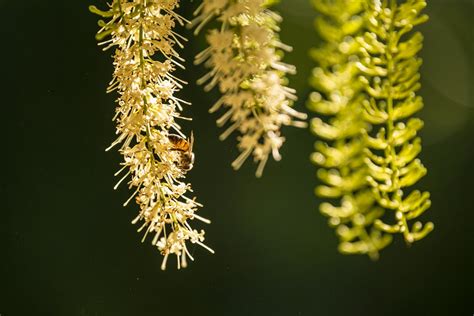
67, 245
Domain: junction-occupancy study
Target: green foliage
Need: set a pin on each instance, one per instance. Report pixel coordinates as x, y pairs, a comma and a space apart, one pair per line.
341, 126
389, 67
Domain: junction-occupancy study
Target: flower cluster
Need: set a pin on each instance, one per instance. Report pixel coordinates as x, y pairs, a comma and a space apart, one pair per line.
367, 80
244, 58
156, 153
390, 75
340, 125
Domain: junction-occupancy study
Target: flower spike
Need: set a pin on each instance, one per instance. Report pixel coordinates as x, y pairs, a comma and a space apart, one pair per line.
157, 155
244, 58
340, 126
390, 78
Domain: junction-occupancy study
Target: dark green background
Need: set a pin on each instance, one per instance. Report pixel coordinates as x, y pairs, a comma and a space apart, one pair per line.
67, 245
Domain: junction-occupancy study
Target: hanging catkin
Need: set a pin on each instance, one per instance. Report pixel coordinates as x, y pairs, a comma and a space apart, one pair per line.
156, 153
340, 126
244, 61
390, 69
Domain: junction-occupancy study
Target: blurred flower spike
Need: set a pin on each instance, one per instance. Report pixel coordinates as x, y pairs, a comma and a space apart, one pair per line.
244, 62
340, 125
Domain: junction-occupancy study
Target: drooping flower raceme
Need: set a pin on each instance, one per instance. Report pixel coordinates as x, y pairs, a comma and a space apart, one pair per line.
340, 125
244, 58
390, 69
156, 153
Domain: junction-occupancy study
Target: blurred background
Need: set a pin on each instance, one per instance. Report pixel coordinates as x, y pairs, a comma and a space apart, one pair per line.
67, 245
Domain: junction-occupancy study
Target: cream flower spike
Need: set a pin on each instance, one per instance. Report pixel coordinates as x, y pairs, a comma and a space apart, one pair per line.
244, 58
156, 153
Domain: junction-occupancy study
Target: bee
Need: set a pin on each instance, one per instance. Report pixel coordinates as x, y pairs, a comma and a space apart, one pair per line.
185, 149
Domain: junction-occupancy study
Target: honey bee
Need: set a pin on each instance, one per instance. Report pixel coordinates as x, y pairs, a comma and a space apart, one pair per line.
185, 149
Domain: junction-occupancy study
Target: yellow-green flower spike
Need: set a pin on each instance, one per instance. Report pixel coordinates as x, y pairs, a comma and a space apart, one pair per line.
390, 79
341, 127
